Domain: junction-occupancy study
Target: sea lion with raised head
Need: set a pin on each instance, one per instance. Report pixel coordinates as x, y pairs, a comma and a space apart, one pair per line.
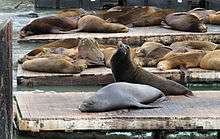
174, 60
211, 60
150, 53
122, 95
49, 25
124, 70
91, 23
184, 22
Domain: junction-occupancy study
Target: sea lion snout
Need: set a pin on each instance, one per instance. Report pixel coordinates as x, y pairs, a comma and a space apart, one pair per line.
203, 28
122, 47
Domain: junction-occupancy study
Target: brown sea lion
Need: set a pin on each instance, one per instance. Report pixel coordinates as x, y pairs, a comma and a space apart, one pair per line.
202, 14
184, 22
215, 18
150, 53
124, 70
49, 25
199, 45
153, 19
54, 65
211, 60
91, 23
174, 60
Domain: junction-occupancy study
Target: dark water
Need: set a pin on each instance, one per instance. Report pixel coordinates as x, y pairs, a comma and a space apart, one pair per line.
8, 10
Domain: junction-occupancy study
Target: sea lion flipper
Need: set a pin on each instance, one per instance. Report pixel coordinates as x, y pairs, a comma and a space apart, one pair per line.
139, 105
164, 24
72, 31
161, 99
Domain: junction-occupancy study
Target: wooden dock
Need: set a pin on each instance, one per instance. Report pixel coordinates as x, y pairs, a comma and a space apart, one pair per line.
38, 112
136, 36
103, 75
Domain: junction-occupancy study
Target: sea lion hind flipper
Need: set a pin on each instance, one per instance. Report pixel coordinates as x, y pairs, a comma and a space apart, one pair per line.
144, 106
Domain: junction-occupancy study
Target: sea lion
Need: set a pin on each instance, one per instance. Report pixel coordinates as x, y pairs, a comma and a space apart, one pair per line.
122, 95
47, 25
202, 14
124, 70
150, 53
91, 23
211, 60
153, 19
54, 65
199, 45
184, 22
173, 60
71, 12
215, 18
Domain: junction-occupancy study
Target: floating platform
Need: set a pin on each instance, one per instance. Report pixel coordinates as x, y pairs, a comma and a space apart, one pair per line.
136, 36
38, 112
103, 75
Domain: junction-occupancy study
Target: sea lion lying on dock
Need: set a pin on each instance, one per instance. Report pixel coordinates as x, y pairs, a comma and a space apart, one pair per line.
199, 45
211, 60
124, 70
71, 12
150, 53
174, 60
49, 25
91, 23
152, 19
202, 14
184, 22
122, 95
54, 65
215, 18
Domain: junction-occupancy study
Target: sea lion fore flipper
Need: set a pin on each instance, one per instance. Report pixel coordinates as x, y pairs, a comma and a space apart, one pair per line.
164, 24
73, 31
139, 105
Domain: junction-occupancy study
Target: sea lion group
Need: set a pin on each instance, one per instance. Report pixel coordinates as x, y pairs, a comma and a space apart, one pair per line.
118, 19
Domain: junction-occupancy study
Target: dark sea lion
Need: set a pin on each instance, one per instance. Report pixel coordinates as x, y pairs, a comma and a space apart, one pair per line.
48, 25
211, 60
215, 18
199, 45
150, 53
174, 60
153, 19
91, 23
184, 22
54, 65
202, 14
122, 95
124, 70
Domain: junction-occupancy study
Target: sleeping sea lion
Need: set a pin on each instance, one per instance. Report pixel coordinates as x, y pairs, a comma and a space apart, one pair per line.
71, 12
211, 60
48, 25
184, 22
215, 18
153, 19
124, 70
122, 95
54, 65
174, 60
150, 53
91, 23
199, 45
202, 14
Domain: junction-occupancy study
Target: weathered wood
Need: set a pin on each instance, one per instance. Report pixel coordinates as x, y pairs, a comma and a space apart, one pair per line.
103, 75
6, 80
136, 36
59, 112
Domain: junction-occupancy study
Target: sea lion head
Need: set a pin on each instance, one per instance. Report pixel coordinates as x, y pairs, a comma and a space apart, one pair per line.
25, 31
122, 55
116, 27
92, 104
88, 49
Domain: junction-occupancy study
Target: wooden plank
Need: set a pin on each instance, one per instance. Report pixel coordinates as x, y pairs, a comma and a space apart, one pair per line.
103, 75
92, 76
136, 36
6, 80
59, 112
